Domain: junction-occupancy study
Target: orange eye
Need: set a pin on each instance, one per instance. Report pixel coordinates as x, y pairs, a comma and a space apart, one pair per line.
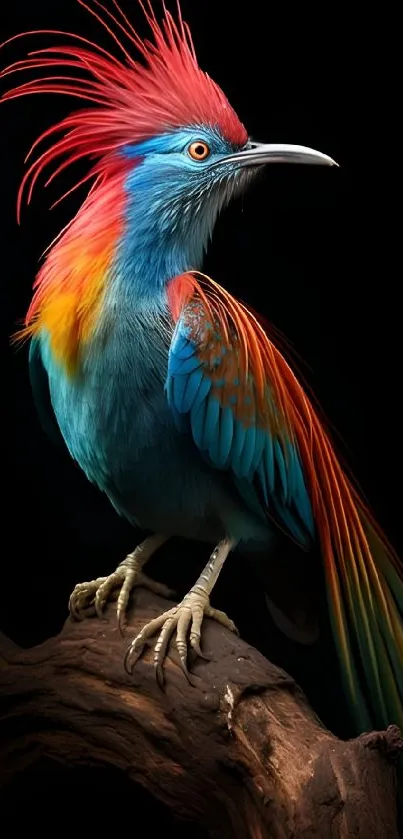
199, 150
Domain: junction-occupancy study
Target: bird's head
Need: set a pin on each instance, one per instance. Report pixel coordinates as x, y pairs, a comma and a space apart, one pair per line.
185, 177
157, 124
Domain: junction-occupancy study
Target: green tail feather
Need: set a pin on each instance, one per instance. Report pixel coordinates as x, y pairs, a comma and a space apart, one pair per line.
367, 581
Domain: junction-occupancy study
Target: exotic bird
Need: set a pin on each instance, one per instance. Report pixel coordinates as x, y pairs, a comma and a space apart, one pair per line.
168, 392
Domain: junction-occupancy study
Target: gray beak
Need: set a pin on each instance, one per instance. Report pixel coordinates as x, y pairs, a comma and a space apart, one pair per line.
255, 154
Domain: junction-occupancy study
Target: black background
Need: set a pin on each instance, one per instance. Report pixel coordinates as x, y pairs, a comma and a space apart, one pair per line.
313, 249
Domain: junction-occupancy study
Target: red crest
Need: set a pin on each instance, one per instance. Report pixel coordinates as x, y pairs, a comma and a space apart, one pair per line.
132, 99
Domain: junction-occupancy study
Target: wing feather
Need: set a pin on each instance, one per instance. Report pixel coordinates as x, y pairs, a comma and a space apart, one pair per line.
250, 415
230, 402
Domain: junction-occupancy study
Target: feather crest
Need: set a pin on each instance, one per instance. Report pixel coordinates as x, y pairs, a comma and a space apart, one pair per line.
131, 100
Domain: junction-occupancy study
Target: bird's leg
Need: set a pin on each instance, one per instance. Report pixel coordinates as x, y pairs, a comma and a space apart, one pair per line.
91, 598
186, 618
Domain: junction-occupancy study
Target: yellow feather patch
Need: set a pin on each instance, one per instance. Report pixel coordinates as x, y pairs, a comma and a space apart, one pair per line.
70, 286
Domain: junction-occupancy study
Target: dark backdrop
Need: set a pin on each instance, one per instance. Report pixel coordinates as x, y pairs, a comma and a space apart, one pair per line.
311, 248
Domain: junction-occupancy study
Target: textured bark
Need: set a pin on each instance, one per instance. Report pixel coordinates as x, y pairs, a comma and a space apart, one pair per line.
240, 752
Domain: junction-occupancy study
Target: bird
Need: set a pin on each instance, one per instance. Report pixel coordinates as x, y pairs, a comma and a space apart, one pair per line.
173, 397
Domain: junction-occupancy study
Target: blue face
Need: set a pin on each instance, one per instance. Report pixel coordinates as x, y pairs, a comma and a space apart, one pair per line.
186, 152
179, 183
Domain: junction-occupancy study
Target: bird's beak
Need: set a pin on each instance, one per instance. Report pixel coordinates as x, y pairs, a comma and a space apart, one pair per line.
256, 154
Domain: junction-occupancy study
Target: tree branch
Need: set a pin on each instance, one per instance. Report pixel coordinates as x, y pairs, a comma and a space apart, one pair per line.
241, 751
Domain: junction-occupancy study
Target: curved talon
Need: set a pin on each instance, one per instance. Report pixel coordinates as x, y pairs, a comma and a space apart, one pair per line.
137, 645
129, 670
132, 654
83, 598
188, 614
186, 673
91, 598
197, 651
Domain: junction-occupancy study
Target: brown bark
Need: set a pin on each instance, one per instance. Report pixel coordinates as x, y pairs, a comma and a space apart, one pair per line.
240, 751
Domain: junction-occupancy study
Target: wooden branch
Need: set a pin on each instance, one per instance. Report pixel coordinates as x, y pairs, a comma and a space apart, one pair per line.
241, 752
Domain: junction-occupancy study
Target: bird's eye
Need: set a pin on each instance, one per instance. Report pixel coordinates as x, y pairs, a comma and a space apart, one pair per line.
199, 150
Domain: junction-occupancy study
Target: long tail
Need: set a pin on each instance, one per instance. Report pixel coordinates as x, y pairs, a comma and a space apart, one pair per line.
364, 581
364, 576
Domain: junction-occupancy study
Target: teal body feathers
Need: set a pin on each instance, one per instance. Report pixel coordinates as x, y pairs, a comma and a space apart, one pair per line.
166, 390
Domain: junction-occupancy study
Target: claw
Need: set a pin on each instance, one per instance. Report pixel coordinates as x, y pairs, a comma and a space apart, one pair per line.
81, 600
195, 646
129, 670
185, 672
92, 597
133, 654
187, 614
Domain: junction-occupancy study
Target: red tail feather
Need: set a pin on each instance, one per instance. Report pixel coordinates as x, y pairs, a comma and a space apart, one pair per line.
364, 575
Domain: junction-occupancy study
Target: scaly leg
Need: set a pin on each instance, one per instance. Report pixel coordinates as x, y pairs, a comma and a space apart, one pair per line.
187, 615
91, 598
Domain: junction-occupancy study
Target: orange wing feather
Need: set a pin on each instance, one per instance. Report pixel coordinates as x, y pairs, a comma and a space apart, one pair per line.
364, 575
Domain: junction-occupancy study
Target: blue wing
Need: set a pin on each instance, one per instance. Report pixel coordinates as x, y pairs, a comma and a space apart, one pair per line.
215, 400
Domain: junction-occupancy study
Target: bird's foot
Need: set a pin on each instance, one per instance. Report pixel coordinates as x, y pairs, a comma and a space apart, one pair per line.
91, 598
186, 618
